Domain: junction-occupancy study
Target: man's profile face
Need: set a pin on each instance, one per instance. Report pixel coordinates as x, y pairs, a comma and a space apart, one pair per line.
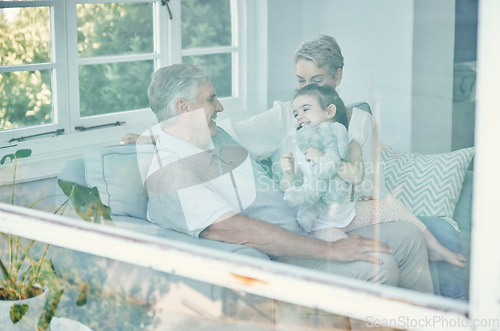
207, 100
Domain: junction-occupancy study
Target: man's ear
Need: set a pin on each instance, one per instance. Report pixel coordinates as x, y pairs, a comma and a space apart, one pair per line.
338, 76
180, 106
331, 110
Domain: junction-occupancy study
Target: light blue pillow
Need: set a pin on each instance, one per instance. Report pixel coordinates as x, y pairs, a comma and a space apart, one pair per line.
429, 185
114, 171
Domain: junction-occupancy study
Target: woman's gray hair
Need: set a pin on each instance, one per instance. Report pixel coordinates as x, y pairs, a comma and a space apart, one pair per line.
177, 81
324, 51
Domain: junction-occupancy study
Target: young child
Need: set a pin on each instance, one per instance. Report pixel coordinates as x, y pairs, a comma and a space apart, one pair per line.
314, 105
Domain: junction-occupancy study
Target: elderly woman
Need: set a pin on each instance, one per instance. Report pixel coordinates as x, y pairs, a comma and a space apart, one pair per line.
270, 134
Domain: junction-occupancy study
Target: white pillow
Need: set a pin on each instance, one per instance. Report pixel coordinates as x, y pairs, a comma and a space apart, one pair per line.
429, 185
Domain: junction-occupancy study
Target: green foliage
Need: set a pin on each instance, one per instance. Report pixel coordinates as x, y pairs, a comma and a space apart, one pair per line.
205, 24
83, 296
114, 87
21, 271
26, 97
107, 30
86, 202
220, 68
86, 279
19, 154
17, 312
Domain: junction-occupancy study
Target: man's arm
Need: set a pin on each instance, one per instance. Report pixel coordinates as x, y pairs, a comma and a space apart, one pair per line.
274, 240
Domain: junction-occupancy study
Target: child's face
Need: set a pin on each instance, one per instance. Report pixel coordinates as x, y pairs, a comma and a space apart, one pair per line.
307, 111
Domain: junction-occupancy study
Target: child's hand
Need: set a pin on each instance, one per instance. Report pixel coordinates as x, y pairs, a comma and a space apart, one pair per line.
287, 163
313, 154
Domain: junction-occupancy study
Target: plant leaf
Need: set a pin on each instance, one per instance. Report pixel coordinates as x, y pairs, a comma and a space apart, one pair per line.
10, 156
17, 312
83, 296
22, 153
65, 186
86, 201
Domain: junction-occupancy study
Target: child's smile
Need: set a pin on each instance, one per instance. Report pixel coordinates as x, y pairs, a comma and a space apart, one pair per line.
308, 112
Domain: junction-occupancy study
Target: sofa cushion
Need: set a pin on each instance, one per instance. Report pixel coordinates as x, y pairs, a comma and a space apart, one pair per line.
463, 209
429, 185
114, 170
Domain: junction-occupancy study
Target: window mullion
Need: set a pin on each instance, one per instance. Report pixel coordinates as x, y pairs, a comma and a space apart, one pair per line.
209, 50
60, 81
174, 36
72, 65
160, 34
117, 58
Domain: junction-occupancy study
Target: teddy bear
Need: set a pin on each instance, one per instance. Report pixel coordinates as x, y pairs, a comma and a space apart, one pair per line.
323, 187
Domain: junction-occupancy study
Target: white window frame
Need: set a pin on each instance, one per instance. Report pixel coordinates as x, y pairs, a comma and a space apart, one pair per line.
337, 295
50, 151
59, 79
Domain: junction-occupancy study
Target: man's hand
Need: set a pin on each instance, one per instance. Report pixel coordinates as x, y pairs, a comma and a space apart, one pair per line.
132, 138
313, 154
355, 248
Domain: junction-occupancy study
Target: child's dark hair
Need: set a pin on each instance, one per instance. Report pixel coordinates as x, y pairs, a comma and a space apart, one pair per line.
326, 96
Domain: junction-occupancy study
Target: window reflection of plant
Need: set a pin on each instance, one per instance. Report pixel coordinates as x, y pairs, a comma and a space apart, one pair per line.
21, 271
25, 276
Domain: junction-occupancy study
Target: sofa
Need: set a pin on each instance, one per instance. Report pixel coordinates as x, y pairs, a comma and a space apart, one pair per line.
116, 172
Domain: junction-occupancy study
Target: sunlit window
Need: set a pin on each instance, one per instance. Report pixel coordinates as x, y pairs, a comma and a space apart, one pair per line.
67, 66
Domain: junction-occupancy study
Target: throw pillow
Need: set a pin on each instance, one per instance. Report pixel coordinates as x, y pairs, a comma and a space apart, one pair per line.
114, 170
429, 185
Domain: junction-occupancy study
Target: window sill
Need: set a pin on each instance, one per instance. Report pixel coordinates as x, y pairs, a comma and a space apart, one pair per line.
50, 153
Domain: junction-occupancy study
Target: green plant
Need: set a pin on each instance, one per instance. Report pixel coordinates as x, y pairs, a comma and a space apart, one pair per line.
23, 275
86, 202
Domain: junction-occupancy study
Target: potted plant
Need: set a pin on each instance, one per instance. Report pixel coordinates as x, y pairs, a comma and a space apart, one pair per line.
24, 285
27, 273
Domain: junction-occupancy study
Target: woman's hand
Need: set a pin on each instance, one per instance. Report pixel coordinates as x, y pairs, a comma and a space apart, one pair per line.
287, 163
313, 154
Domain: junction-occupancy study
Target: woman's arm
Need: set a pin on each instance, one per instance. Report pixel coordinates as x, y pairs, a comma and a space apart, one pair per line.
353, 171
264, 133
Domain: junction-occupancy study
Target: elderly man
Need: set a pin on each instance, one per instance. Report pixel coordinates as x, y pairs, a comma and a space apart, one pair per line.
201, 182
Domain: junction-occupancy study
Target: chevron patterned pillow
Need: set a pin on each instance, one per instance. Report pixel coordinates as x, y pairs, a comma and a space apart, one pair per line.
429, 185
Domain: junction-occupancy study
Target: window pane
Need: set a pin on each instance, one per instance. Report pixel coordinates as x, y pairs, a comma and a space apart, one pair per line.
104, 294
26, 99
206, 23
114, 87
114, 28
25, 35
220, 68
